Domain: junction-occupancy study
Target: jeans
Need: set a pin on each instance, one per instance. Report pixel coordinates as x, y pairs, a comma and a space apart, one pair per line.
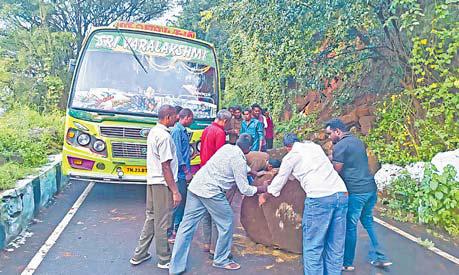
361, 207
221, 213
177, 214
324, 227
209, 230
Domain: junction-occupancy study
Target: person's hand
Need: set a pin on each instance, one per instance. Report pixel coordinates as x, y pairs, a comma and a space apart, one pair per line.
188, 177
262, 173
266, 182
262, 199
176, 198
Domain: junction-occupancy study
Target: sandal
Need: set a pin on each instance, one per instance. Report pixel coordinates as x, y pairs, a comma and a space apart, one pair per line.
348, 268
229, 266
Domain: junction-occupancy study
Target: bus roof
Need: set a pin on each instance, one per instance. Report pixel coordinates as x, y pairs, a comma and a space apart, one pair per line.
153, 28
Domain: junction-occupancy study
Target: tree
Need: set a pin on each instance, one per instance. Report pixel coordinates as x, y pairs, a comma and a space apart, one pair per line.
78, 16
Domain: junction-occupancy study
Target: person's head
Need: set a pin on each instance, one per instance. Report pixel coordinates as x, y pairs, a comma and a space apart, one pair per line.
256, 110
273, 163
237, 113
335, 129
167, 115
223, 117
177, 111
186, 117
244, 142
247, 114
231, 110
266, 113
289, 140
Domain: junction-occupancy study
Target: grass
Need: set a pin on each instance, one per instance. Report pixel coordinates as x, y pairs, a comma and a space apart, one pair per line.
26, 139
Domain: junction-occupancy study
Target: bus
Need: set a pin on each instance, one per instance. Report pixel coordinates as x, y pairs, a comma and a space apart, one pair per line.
124, 73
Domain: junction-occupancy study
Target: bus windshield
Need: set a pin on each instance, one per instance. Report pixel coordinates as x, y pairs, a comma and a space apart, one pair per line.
131, 73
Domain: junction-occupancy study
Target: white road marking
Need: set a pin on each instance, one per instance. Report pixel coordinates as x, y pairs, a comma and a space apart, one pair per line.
417, 240
41, 254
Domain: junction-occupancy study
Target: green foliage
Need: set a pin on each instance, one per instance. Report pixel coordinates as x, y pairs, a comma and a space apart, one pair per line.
300, 124
26, 140
34, 67
422, 120
434, 201
76, 17
10, 172
274, 50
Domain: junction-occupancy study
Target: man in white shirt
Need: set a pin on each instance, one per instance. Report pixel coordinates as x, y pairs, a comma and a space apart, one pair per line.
162, 191
325, 208
206, 193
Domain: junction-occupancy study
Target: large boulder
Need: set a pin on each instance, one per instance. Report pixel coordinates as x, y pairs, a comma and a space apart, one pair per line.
387, 174
441, 160
278, 222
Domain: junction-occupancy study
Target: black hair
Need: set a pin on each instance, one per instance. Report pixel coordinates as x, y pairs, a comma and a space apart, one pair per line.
178, 109
336, 123
275, 163
244, 142
166, 111
186, 112
290, 138
256, 105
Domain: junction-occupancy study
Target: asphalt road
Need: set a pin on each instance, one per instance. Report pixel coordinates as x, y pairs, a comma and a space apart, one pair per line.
102, 235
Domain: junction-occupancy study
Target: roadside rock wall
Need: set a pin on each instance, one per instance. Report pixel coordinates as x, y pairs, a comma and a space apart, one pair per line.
18, 206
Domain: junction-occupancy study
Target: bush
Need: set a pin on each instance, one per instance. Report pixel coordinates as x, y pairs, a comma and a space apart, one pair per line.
433, 201
26, 139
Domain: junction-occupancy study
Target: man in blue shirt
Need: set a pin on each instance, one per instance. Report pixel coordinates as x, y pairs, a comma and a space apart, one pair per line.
350, 160
254, 128
182, 143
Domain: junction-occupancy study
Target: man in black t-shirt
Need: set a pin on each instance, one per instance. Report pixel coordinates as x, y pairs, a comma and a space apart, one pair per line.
350, 160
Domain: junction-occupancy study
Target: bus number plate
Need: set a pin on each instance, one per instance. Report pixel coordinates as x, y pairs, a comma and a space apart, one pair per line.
135, 170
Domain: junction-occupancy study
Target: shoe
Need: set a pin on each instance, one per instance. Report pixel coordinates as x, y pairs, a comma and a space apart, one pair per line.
380, 263
164, 266
135, 261
348, 268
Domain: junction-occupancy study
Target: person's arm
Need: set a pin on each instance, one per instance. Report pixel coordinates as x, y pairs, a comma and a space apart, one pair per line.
239, 167
281, 178
278, 182
169, 177
261, 135
339, 152
165, 157
176, 136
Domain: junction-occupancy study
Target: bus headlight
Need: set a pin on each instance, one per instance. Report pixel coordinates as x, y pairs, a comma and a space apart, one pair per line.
198, 146
99, 145
83, 139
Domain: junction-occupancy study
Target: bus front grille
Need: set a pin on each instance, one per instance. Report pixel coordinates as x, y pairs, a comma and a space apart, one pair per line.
124, 132
129, 150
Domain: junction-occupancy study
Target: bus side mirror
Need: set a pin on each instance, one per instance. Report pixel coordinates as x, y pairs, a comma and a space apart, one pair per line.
222, 83
71, 65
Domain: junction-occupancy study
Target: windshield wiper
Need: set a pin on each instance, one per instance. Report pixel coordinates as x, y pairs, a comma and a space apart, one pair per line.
132, 50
